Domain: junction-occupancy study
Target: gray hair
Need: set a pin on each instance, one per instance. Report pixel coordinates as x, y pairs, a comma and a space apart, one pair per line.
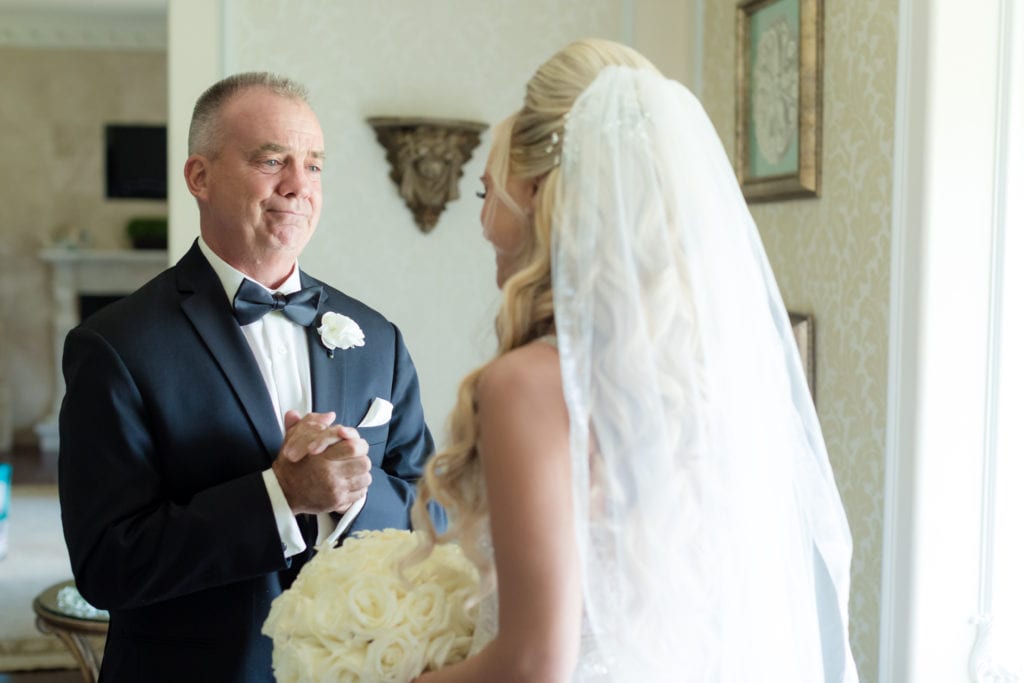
203, 133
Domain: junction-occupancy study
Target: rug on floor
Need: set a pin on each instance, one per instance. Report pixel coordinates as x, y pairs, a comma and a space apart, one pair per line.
36, 559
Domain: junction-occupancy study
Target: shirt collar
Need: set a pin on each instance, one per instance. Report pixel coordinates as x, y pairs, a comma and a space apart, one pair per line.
231, 278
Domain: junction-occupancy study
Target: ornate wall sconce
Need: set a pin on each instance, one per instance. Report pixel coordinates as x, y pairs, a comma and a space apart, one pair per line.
426, 157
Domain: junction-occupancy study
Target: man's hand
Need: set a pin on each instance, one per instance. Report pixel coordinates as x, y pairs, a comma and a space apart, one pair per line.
321, 467
308, 435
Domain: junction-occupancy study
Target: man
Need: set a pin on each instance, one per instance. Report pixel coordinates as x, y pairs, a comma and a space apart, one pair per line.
192, 492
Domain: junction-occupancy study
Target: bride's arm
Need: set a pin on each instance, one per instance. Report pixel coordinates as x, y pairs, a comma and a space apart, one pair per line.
524, 447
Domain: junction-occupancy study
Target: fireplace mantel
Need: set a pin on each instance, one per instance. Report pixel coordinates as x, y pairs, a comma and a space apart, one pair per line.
78, 272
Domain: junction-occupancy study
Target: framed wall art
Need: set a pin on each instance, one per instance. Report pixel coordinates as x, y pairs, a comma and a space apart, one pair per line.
803, 330
778, 98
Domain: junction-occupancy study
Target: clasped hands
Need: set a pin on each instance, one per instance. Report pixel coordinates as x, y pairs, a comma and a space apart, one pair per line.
321, 467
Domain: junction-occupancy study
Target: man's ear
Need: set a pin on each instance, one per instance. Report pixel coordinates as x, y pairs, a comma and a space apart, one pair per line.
196, 175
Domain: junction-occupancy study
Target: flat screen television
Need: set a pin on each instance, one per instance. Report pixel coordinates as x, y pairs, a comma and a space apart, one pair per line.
136, 161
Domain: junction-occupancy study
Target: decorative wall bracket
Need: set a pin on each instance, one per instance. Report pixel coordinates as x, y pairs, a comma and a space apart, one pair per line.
426, 157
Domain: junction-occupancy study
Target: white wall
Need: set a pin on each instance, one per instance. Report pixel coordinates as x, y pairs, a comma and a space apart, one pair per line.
671, 34
462, 59
194, 62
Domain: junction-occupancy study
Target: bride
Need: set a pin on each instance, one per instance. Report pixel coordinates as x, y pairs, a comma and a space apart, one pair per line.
639, 473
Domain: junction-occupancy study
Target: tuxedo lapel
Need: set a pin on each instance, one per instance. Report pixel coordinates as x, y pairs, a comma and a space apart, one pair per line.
205, 304
327, 374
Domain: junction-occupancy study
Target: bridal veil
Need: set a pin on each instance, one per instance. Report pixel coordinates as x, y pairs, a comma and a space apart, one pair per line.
714, 542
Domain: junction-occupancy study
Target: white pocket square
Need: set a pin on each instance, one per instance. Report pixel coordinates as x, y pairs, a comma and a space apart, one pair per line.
378, 414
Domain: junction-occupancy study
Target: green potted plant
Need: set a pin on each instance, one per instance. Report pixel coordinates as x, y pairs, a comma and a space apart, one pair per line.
147, 233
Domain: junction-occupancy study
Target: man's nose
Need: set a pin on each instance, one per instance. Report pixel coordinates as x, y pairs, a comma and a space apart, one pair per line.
296, 181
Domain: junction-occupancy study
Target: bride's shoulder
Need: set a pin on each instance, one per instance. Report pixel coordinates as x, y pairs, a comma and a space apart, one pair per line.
531, 371
519, 403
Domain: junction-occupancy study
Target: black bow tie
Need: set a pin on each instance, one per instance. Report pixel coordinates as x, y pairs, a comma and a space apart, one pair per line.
252, 302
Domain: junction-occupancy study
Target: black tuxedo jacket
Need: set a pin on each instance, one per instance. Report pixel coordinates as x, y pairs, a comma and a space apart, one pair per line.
165, 429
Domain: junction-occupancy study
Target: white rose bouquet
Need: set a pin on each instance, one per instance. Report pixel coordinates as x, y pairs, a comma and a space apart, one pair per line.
352, 617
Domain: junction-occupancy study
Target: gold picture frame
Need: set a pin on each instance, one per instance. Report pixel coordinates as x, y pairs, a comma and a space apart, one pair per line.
803, 331
778, 98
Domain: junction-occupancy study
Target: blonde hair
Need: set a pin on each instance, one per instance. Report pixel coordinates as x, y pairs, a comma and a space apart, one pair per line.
528, 146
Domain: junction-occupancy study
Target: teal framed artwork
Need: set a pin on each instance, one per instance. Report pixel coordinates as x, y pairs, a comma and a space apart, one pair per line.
778, 98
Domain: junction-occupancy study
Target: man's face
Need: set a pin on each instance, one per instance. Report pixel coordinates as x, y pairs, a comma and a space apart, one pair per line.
260, 193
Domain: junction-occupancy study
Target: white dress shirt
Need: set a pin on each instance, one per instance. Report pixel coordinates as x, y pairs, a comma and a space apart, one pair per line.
281, 349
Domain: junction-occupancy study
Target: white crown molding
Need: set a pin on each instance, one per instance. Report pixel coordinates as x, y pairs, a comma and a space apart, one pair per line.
88, 31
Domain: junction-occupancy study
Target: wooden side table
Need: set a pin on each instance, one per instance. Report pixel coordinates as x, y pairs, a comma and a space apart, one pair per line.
72, 625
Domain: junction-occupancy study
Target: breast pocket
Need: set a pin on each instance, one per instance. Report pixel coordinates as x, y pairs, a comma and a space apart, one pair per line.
377, 438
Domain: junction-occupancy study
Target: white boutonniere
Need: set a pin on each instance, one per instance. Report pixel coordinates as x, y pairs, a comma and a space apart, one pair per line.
339, 331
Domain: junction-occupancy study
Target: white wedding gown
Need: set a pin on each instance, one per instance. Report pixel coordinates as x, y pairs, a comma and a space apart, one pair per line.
589, 667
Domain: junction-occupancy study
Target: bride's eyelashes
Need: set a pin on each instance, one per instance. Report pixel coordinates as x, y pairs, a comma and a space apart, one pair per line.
482, 194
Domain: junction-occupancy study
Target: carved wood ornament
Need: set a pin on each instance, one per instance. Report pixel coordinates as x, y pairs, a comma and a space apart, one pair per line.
426, 157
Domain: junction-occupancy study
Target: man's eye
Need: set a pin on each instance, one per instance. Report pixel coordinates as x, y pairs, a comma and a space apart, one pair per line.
316, 169
271, 162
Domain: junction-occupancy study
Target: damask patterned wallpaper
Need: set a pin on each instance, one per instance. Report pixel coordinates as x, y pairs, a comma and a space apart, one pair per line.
831, 258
